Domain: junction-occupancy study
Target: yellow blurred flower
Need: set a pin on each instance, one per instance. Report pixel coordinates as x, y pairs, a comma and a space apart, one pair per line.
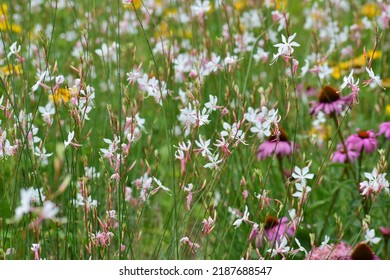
386, 82
60, 95
370, 10
5, 25
136, 3
357, 63
336, 72
239, 5
388, 110
320, 133
11, 70
279, 4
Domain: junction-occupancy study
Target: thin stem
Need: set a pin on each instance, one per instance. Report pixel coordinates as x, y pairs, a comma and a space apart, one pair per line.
348, 161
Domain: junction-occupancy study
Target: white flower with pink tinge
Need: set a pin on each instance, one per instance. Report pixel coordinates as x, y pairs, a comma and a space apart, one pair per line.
285, 49
376, 182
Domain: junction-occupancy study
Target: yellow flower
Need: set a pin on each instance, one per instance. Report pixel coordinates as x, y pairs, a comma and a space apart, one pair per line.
386, 82
279, 4
136, 3
388, 110
357, 63
60, 95
5, 25
336, 72
239, 5
11, 70
370, 10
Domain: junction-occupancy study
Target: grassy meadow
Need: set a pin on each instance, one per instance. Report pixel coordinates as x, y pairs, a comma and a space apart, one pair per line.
173, 129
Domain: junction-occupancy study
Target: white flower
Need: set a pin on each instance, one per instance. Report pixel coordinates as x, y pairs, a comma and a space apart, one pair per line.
35, 247
42, 77
280, 248
160, 185
60, 79
300, 246
25, 200
203, 146
202, 117
286, 47
42, 155
214, 161
302, 190
370, 236
49, 210
376, 182
200, 8
373, 77
212, 104
325, 242
349, 81
14, 49
302, 174
324, 71
70, 138
47, 112
244, 218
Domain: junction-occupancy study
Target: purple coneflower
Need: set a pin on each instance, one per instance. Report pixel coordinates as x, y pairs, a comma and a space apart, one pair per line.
340, 155
274, 230
363, 140
277, 144
342, 251
385, 231
329, 102
384, 128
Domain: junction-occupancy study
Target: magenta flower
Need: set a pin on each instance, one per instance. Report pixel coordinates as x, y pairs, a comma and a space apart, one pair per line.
384, 128
340, 155
276, 144
274, 230
385, 232
363, 140
329, 102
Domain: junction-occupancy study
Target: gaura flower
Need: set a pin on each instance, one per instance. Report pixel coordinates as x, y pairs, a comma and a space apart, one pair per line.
276, 144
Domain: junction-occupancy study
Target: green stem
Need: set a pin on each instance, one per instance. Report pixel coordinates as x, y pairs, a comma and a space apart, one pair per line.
348, 161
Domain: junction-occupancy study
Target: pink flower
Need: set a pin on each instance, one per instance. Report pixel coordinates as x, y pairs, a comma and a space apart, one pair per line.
385, 231
363, 140
342, 251
340, 154
277, 144
274, 230
329, 102
384, 128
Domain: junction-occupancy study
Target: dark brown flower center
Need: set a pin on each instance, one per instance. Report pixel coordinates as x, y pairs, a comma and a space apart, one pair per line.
282, 136
362, 252
328, 94
363, 134
270, 221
